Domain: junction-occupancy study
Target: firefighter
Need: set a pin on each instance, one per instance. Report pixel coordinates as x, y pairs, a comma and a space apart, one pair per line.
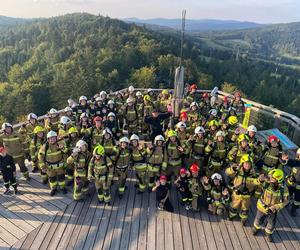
182, 185
217, 152
68, 112
213, 129
163, 101
95, 133
293, 183
204, 104
112, 124
195, 187
65, 124
52, 120
82, 107
217, 194
138, 160
162, 194
84, 125
156, 160
244, 183
256, 145
15, 146
173, 155
232, 129
147, 108
273, 157
36, 143
197, 145
275, 197
52, 159
80, 159
238, 104
101, 170
122, 162
131, 116
108, 142
191, 97
8, 168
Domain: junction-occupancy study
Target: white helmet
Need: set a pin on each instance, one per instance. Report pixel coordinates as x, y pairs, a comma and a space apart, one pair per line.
32, 116
65, 120
134, 137
149, 90
98, 99
103, 93
75, 151
216, 176
6, 125
213, 112
298, 151
84, 114
51, 134
71, 102
131, 88
199, 130
110, 102
80, 144
252, 128
158, 138
111, 114
220, 133
139, 93
68, 109
106, 131
124, 139
181, 125
129, 100
81, 98
53, 111
194, 104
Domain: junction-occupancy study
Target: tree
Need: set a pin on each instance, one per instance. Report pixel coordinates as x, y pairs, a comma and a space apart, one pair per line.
143, 77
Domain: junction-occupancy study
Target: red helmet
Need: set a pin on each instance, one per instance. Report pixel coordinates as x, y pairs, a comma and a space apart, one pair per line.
194, 168
237, 93
183, 115
225, 99
205, 95
272, 138
2, 150
163, 178
193, 86
97, 119
182, 171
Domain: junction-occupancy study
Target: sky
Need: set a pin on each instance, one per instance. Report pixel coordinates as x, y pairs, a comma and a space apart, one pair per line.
262, 11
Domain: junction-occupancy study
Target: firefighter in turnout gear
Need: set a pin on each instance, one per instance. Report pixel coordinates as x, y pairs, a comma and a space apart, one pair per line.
15, 146
96, 132
182, 185
80, 159
138, 157
244, 183
108, 142
36, 143
122, 162
275, 197
217, 152
217, 194
293, 183
52, 160
101, 170
195, 186
64, 125
131, 116
156, 160
52, 121
256, 146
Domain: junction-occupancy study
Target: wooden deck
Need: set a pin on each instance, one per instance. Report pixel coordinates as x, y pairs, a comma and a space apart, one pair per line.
34, 220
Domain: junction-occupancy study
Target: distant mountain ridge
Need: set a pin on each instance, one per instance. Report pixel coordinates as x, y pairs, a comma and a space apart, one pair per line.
196, 25
9, 21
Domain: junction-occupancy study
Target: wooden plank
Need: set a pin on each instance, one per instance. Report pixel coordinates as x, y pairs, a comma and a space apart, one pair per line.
216, 231
75, 215
142, 240
87, 223
76, 231
225, 233
160, 231
151, 230
241, 235
200, 230
193, 229
4, 245
119, 227
30, 238
11, 228
7, 237
18, 221
17, 245
178, 241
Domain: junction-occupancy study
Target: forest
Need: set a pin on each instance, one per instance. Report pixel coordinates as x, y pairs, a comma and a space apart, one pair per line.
46, 61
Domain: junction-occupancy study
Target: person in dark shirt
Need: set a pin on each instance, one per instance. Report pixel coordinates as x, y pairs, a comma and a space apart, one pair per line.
162, 194
155, 122
182, 185
7, 167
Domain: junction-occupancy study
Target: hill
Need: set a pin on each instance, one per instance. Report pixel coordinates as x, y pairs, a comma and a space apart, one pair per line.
10, 21
47, 61
194, 25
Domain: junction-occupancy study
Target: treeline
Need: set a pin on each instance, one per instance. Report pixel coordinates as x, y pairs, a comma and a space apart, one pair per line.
46, 62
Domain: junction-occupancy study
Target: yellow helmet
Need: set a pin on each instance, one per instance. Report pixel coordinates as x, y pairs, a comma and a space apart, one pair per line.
171, 133
213, 123
38, 129
99, 150
245, 158
277, 174
165, 92
232, 120
242, 137
72, 130
147, 98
